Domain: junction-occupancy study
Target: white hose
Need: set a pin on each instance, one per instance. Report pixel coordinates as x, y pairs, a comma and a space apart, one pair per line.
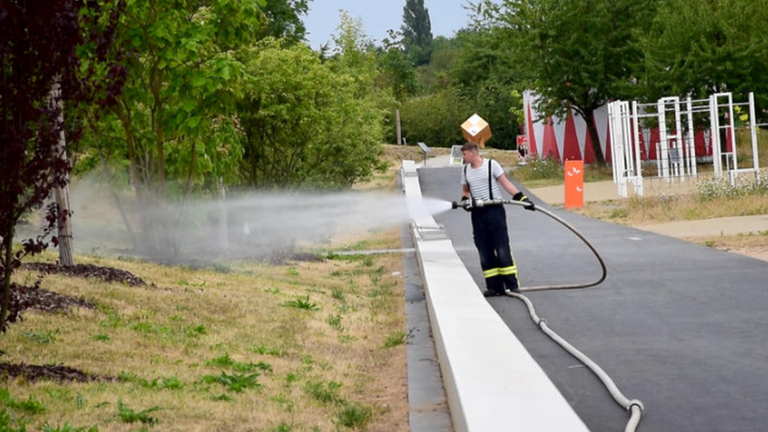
633, 405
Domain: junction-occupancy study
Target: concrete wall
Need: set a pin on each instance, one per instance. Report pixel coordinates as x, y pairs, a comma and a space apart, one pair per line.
492, 382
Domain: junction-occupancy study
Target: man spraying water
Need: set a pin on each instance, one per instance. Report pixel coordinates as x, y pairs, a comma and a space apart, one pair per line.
480, 181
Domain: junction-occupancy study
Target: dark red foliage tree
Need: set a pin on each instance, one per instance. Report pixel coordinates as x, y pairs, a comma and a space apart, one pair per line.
43, 43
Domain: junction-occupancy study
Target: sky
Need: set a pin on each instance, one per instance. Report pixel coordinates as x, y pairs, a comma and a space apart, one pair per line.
378, 16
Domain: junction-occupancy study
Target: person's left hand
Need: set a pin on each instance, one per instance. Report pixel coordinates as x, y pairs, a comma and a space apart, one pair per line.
529, 205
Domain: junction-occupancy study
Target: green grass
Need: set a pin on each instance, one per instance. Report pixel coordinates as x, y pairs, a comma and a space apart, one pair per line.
324, 392
68, 427
227, 362
302, 302
235, 382
29, 406
355, 416
202, 341
129, 415
395, 339
42, 337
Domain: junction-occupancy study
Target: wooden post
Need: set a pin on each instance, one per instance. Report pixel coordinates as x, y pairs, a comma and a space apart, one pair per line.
61, 194
397, 128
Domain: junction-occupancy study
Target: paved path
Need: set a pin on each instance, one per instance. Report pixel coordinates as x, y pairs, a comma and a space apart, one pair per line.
726, 226
681, 327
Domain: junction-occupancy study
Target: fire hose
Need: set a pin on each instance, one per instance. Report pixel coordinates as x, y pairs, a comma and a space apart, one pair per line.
634, 406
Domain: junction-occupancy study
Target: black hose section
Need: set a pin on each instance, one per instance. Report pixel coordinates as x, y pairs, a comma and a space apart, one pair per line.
573, 230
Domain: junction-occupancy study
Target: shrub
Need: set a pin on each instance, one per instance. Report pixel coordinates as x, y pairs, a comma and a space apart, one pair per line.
128, 415
355, 416
721, 188
539, 168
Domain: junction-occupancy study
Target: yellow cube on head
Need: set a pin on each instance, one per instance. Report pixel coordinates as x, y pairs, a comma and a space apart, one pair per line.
477, 130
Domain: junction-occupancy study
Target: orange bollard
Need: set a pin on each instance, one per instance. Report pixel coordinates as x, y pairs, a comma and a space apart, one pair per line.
574, 184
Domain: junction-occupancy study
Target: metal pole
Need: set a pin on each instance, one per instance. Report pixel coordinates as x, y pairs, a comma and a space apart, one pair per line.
714, 137
612, 132
753, 133
732, 128
663, 139
691, 146
680, 163
638, 163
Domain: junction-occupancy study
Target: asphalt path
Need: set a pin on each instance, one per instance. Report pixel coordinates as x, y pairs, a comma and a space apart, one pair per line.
679, 326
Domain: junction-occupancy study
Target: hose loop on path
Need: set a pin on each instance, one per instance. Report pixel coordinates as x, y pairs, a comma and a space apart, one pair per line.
634, 406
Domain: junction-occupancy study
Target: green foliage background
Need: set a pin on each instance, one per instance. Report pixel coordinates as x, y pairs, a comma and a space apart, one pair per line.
213, 103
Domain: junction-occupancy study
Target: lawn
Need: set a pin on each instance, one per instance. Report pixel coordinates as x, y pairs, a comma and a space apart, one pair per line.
315, 343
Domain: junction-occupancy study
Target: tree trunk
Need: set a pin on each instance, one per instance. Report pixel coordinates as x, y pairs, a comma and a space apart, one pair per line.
589, 117
125, 219
64, 227
223, 222
61, 194
7, 277
160, 164
126, 121
397, 128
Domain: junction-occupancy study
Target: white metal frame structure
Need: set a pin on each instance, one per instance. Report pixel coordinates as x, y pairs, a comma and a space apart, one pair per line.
725, 110
676, 150
625, 149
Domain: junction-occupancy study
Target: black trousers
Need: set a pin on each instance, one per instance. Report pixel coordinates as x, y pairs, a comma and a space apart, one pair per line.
489, 227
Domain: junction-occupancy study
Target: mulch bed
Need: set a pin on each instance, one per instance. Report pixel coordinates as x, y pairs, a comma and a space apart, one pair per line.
24, 297
305, 256
107, 274
58, 373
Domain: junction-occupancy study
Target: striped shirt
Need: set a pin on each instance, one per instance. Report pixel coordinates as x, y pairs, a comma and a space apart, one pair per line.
478, 179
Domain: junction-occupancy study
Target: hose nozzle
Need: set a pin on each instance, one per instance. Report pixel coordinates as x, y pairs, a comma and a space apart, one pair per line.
469, 204
465, 204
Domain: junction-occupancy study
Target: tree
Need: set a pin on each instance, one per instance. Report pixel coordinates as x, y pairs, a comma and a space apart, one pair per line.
417, 31
701, 48
481, 76
40, 44
283, 19
576, 54
435, 118
183, 76
307, 125
397, 72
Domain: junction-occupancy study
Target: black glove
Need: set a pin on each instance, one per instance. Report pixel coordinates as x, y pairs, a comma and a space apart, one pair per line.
464, 204
529, 205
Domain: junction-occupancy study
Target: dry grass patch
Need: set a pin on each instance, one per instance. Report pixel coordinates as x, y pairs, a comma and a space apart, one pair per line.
507, 158
394, 156
375, 240
705, 202
307, 346
749, 241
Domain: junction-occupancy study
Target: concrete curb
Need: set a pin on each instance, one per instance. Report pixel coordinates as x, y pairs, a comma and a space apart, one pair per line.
491, 381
